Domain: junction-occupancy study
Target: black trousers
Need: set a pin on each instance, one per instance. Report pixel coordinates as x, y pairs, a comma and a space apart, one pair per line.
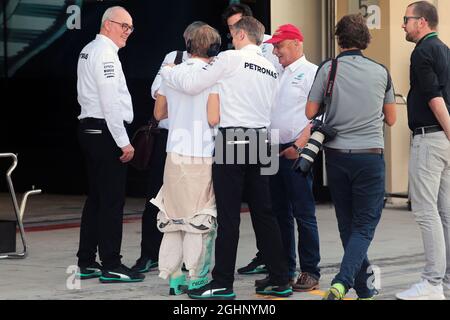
230, 181
151, 236
101, 222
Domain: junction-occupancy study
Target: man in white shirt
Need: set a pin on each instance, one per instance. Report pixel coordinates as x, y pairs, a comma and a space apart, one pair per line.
151, 236
246, 84
232, 14
187, 194
105, 108
292, 195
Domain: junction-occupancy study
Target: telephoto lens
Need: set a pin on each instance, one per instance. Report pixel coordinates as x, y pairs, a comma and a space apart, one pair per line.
321, 133
309, 153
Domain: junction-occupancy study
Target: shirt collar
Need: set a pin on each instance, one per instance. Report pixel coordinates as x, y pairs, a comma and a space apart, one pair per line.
108, 41
350, 53
426, 37
295, 65
266, 37
252, 47
196, 61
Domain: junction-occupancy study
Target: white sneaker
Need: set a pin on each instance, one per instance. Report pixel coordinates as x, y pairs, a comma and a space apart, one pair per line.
447, 286
422, 291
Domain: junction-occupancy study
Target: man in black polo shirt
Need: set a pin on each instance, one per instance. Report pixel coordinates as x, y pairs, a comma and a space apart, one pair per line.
428, 114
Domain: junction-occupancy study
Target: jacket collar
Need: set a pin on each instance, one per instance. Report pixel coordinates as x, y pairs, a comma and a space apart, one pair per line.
252, 47
428, 36
296, 64
108, 41
350, 53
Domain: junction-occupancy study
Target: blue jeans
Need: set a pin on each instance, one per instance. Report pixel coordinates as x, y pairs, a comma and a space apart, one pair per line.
292, 197
356, 184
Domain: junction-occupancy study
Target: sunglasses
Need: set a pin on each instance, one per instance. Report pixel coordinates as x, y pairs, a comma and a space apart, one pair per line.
125, 26
406, 18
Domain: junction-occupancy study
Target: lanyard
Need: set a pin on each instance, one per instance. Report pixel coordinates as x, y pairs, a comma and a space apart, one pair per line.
434, 34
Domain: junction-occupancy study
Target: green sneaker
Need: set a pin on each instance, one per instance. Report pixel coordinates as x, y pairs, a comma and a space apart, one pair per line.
144, 265
178, 285
256, 266
91, 272
364, 299
195, 284
212, 291
121, 274
336, 292
268, 289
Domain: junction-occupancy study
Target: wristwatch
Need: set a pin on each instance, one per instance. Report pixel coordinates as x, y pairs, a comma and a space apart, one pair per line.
298, 149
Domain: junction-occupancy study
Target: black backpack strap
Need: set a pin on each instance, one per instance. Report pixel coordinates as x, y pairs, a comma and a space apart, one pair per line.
179, 57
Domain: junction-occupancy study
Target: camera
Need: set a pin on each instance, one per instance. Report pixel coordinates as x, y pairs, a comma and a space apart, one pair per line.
321, 133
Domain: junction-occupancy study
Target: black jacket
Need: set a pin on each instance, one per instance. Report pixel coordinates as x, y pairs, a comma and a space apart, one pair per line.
430, 78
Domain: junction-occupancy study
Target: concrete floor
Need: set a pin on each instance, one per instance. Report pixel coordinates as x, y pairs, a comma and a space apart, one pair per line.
51, 221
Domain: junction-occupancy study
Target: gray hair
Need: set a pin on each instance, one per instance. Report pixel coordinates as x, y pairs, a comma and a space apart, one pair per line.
253, 28
109, 13
187, 35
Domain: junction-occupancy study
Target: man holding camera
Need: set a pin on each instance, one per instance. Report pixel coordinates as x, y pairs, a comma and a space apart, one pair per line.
362, 98
291, 193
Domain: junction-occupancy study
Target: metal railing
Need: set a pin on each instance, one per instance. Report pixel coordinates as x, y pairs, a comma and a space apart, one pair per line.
19, 211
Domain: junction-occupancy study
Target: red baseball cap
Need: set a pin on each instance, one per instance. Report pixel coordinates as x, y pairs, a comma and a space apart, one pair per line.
286, 32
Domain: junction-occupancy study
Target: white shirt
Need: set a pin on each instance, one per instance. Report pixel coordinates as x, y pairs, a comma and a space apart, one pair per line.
267, 51
189, 130
169, 58
288, 112
102, 88
246, 85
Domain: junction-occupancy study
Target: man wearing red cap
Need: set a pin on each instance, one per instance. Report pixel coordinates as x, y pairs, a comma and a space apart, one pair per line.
291, 193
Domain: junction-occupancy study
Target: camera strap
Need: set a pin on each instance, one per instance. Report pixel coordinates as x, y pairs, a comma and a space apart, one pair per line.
330, 85
331, 78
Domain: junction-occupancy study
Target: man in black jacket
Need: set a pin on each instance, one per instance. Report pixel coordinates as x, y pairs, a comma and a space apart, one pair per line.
429, 170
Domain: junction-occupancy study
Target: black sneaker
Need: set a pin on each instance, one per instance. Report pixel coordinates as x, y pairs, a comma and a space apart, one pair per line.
256, 266
262, 282
212, 291
93, 271
283, 291
144, 265
121, 274
266, 281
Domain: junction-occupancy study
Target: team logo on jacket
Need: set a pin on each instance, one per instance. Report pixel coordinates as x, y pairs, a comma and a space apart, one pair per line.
108, 69
300, 77
255, 67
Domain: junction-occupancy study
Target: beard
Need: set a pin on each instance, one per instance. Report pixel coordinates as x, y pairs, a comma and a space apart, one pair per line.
410, 37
